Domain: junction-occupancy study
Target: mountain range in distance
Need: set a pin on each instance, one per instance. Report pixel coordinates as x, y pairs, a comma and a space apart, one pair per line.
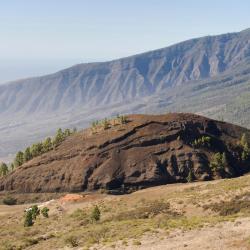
208, 76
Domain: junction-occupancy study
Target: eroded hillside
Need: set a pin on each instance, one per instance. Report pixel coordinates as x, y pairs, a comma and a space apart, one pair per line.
145, 151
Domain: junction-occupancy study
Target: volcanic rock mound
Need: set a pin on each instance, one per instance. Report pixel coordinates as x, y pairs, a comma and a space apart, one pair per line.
146, 151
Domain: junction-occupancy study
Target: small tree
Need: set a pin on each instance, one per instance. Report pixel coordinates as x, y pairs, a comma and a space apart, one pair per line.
19, 160
36, 149
96, 214
3, 169
44, 212
59, 137
35, 211
47, 145
27, 154
28, 219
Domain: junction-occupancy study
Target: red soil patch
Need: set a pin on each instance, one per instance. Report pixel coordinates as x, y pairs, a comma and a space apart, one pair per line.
71, 198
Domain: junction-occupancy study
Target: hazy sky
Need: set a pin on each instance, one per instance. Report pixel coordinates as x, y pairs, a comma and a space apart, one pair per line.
42, 36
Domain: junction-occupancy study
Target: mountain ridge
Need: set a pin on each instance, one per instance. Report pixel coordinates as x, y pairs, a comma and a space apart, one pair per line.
126, 78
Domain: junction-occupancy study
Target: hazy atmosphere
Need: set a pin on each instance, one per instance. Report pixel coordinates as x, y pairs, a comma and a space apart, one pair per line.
124, 125
40, 37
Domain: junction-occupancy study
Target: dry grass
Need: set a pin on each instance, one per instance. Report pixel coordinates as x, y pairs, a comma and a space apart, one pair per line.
127, 218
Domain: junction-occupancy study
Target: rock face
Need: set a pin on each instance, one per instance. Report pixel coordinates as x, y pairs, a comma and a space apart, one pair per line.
146, 151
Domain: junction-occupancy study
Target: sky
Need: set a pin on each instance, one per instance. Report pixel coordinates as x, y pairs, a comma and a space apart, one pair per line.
43, 36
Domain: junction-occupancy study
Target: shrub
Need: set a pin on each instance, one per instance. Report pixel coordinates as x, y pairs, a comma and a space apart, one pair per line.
96, 214
9, 201
44, 212
28, 220
204, 141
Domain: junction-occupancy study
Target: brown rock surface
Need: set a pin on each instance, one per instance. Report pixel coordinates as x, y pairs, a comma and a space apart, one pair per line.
148, 150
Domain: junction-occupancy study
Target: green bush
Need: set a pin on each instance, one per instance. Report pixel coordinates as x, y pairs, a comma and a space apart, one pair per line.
45, 212
9, 201
28, 220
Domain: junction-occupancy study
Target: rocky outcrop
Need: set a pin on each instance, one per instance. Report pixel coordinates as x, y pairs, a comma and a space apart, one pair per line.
146, 151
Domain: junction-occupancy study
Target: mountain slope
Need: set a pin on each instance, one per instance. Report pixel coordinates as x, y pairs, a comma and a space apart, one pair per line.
146, 151
209, 76
128, 78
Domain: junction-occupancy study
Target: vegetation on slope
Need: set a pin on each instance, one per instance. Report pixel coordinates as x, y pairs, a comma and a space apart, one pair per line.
35, 150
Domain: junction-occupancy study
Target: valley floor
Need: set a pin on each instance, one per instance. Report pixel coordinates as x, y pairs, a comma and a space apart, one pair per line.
201, 215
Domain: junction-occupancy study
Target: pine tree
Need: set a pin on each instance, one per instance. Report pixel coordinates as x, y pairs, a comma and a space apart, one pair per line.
19, 160
59, 137
36, 149
47, 145
27, 154
3, 169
